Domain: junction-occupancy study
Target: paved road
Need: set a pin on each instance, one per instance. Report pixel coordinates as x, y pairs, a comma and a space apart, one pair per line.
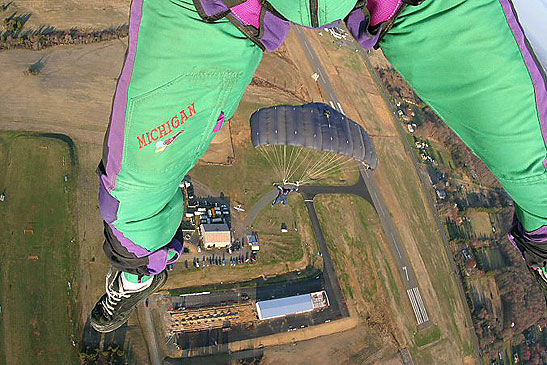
359, 189
263, 202
332, 285
258, 293
398, 250
150, 335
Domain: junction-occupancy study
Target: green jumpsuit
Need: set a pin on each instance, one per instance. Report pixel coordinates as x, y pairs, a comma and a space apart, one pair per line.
189, 62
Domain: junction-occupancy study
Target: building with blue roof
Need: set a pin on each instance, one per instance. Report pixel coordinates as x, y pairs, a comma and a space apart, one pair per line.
281, 307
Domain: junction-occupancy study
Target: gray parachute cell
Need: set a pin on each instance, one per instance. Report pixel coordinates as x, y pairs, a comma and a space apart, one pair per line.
315, 126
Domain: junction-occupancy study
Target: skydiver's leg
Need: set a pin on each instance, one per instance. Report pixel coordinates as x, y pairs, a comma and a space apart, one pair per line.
276, 200
166, 109
470, 61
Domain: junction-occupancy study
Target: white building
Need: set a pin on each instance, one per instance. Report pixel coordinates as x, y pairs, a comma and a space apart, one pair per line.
215, 235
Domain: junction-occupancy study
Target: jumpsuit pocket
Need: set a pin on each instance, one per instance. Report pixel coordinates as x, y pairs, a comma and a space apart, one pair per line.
166, 127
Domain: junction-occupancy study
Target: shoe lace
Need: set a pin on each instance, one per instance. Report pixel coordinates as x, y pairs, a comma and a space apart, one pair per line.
541, 270
113, 296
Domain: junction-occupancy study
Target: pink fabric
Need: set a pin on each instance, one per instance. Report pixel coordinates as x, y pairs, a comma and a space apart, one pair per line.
381, 10
248, 12
220, 120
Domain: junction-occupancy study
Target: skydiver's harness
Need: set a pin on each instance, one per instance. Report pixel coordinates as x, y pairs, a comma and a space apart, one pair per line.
258, 20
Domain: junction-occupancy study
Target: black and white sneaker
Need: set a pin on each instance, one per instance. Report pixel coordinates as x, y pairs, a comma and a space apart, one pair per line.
115, 307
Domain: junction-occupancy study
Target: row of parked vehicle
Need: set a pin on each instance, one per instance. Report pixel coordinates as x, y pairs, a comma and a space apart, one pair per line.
217, 260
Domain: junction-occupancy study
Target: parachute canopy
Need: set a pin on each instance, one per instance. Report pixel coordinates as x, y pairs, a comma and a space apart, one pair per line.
314, 126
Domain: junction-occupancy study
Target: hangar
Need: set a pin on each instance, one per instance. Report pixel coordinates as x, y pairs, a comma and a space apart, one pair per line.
281, 307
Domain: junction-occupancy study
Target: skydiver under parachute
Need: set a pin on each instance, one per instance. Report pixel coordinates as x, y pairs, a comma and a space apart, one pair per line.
284, 191
307, 143
475, 62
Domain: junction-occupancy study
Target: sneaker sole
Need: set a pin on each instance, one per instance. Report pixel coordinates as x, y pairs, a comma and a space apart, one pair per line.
113, 327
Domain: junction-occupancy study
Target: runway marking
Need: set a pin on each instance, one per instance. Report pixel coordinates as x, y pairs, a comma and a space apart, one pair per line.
340, 107
396, 245
321, 75
379, 205
417, 305
381, 209
417, 312
332, 104
191, 294
421, 304
406, 273
308, 200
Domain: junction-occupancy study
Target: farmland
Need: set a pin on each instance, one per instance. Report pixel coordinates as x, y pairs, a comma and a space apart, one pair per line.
38, 250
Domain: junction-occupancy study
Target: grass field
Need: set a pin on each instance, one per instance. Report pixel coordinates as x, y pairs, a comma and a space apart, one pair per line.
354, 236
441, 155
427, 336
276, 246
445, 306
37, 254
480, 221
279, 252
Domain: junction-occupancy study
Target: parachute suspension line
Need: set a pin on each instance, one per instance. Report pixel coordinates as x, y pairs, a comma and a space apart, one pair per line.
308, 172
310, 161
308, 166
300, 164
315, 163
275, 163
278, 158
335, 165
326, 165
278, 153
293, 160
292, 167
267, 155
332, 164
326, 157
282, 155
318, 171
284, 162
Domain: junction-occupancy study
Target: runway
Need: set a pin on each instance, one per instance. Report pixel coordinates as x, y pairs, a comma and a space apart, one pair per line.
394, 241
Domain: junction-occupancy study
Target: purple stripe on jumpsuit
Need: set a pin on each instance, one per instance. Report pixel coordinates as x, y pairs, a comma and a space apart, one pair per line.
108, 205
113, 161
157, 260
540, 234
537, 78
357, 24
